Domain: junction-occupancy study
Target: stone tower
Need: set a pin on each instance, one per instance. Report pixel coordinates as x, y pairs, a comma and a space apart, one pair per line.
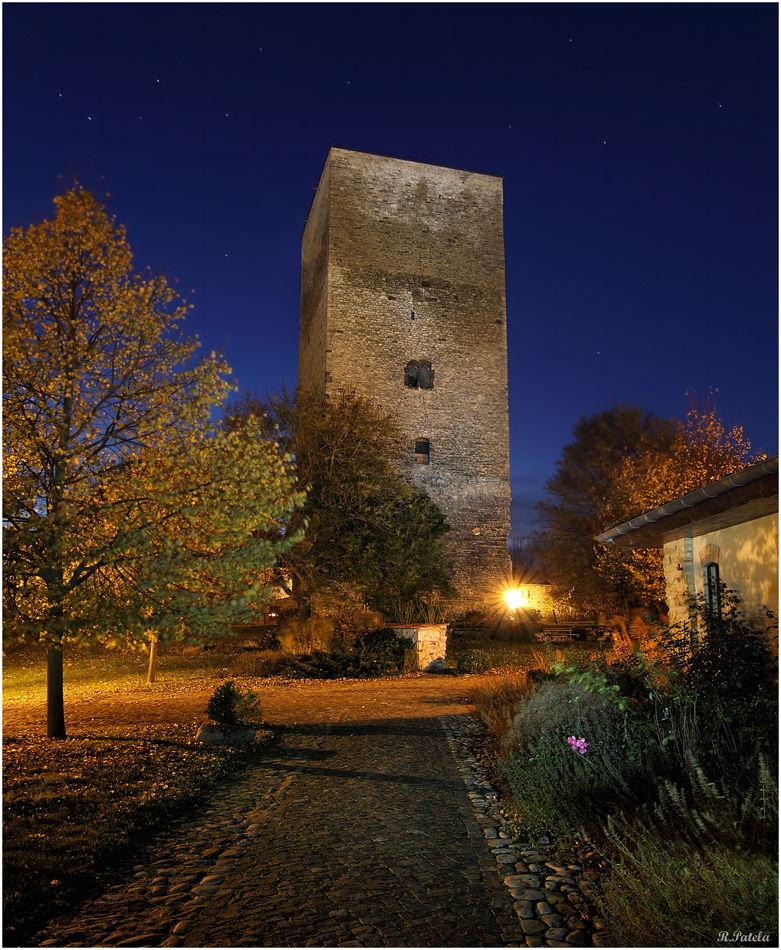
403, 300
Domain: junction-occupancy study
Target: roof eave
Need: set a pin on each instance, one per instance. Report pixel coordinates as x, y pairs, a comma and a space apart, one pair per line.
766, 469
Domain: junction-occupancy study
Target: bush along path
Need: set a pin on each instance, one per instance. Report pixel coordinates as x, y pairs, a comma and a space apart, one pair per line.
351, 833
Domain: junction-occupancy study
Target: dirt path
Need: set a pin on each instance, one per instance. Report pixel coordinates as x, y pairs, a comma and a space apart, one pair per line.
288, 703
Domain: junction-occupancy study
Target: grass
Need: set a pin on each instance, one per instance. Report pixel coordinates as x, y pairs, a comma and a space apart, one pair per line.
73, 809
24, 671
100, 668
518, 656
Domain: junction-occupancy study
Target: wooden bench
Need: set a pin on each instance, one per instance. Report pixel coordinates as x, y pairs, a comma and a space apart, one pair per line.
555, 634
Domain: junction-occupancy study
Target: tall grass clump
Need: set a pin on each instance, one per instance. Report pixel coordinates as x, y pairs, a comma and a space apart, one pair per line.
496, 704
698, 865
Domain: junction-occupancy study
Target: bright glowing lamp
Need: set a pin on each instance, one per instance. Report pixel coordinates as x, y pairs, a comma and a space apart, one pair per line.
514, 598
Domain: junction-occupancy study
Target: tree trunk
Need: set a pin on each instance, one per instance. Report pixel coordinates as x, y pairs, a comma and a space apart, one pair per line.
150, 675
55, 704
303, 596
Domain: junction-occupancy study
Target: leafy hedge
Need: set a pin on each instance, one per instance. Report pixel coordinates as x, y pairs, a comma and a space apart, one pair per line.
666, 759
377, 653
474, 661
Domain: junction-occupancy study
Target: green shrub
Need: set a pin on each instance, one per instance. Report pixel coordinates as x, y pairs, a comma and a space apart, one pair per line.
556, 790
375, 653
384, 649
555, 786
233, 706
474, 661
701, 862
257, 663
304, 636
729, 665
584, 702
319, 664
351, 626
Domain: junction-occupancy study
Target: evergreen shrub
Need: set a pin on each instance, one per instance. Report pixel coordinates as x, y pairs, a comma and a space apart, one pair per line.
257, 663
234, 707
375, 653
474, 661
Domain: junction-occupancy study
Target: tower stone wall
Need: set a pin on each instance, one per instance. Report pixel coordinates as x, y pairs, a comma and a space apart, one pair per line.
403, 300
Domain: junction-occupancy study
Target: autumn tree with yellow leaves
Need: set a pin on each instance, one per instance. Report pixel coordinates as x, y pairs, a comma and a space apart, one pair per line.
703, 450
622, 463
127, 515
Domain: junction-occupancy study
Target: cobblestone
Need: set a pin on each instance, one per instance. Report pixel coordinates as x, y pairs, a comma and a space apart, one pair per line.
352, 833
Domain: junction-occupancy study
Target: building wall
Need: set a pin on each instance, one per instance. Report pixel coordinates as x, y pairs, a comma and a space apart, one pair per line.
747, 555
536, 597
404, 261
313, 328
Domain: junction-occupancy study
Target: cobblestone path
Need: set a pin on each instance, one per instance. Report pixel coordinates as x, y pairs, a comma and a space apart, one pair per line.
370, 824
376, 844
354, 832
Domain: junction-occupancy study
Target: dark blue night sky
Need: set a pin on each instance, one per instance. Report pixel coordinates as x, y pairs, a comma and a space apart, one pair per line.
638, 145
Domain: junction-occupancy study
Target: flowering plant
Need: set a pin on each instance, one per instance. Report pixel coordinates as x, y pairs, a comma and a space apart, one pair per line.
578, 745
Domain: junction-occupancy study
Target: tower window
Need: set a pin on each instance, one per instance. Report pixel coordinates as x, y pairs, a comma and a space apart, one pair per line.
418, 374
712, 593
422, 451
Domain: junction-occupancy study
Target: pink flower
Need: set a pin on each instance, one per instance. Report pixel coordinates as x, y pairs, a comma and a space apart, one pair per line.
578, 745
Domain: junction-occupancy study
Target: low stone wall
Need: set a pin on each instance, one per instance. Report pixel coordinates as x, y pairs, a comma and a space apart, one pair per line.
430, 640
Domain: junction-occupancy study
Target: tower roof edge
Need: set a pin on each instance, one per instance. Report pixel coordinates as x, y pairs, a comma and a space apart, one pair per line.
411, 161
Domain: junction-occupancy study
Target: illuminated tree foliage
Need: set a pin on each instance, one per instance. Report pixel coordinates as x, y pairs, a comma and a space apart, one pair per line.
621, 463
366, 527
702, 451
527, 569
126, 516
574, 512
